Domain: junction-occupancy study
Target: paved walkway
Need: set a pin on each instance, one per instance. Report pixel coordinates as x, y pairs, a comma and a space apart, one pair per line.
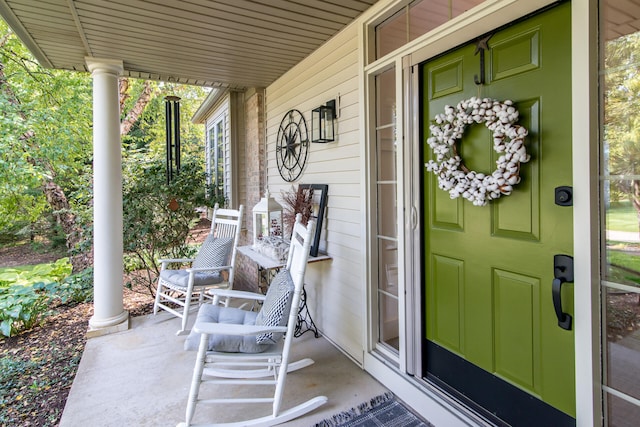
624, 375
623, 236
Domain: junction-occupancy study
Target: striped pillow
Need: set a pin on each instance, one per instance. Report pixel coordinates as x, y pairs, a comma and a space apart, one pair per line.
214, 252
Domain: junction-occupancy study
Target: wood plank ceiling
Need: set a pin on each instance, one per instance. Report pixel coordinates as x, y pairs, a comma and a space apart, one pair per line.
216, 43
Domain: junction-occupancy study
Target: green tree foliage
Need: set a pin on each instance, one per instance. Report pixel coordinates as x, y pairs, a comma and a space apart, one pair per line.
148, 136
46, 157
45, 135
622, 121
153, 226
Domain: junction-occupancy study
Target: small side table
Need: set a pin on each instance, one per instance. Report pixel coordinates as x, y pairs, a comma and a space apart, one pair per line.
267, 269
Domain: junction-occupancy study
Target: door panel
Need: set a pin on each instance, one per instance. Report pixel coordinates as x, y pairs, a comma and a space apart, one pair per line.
448, 301
517, 302
488, 270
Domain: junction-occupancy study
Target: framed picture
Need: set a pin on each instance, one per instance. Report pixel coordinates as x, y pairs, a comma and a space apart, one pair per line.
318, 208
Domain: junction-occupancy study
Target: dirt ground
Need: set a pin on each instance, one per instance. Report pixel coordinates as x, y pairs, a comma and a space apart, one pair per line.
25, 254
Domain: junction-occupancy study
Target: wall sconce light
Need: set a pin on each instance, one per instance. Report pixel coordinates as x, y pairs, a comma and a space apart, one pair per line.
322, 119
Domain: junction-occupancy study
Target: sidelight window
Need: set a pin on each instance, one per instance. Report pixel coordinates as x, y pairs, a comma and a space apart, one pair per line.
620, 195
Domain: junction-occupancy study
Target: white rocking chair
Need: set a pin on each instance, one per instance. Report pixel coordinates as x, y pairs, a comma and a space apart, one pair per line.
212, 268
250, 365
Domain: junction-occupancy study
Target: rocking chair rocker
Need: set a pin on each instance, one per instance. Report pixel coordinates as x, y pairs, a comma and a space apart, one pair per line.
239, 347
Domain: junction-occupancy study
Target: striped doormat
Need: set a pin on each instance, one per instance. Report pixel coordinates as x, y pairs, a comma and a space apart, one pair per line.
384, 411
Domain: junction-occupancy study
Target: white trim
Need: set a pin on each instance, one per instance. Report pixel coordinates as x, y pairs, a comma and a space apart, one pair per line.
102, 65
620, 286
621, 395
208, 105
585, 99
221, 114
413, 229
365, 190
476, 21
401, 144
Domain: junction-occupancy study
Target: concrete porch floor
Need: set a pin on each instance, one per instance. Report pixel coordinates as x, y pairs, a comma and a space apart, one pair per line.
141, 377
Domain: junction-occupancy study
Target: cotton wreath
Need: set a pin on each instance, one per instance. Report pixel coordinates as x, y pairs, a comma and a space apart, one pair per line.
508, 139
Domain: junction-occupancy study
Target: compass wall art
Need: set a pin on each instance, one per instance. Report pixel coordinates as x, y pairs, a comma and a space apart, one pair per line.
292, 146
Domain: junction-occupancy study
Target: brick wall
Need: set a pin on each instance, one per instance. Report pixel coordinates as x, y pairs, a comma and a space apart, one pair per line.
253, 178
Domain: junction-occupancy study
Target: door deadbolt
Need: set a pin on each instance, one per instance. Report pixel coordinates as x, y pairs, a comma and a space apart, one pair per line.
564, 196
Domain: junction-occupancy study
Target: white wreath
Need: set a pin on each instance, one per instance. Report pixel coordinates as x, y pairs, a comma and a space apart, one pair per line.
508, 138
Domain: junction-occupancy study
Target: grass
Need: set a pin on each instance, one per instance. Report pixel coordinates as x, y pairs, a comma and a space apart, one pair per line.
622, 257
624, 267
622, 216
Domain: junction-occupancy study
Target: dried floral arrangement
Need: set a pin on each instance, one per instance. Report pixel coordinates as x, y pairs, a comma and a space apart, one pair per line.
296, 200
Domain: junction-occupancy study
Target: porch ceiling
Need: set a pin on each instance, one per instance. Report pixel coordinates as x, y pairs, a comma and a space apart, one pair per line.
621, 17
217, 43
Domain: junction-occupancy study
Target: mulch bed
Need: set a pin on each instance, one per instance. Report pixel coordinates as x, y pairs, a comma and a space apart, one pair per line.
43, 362
38, 366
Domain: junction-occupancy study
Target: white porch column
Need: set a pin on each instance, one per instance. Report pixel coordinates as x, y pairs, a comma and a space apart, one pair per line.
108, 312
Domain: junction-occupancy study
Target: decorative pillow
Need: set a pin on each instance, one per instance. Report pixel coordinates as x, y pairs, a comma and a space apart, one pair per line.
214, 252
226, 343
276, 307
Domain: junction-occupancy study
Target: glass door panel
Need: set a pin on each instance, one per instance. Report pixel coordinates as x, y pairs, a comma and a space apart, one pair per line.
620, 195
386, 211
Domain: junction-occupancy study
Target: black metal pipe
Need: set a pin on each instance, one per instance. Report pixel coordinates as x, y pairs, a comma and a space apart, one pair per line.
167, 105
172, 128
176, 122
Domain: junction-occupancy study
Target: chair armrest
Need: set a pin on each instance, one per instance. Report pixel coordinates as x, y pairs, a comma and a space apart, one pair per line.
166, 261
230, 329
200, 269
176, 260
237, 294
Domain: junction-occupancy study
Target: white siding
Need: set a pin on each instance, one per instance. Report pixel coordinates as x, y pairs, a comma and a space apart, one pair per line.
335, 288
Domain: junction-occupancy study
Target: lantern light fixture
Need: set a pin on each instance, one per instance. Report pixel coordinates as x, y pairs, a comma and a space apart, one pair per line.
267, 218
322, 120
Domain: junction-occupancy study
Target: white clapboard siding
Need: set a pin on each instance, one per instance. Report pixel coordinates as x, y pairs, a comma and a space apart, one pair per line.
335, 288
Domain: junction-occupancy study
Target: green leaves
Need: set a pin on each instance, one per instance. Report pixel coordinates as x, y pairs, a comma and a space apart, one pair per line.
21, 307
45, 123
152, 229
27, 292
41, 273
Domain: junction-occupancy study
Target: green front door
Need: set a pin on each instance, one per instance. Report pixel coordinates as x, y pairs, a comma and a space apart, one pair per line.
491, 333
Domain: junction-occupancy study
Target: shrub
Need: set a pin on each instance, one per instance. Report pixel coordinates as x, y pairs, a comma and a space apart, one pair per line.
158, 216
76, 289
22, 307
27, 293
